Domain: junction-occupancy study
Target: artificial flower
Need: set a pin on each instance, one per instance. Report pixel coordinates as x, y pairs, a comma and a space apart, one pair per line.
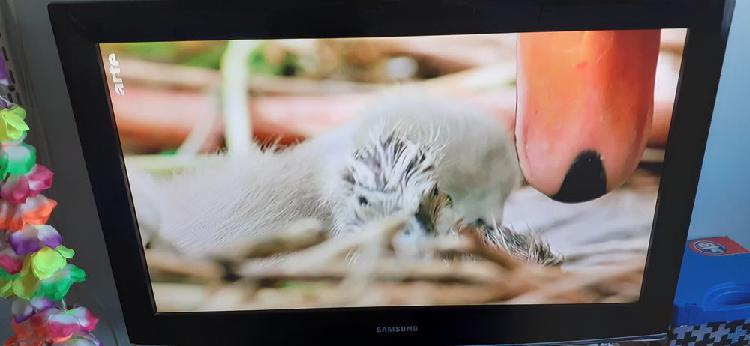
63, 324
10, 261
27, 333
46, 262
33, 237
56, 327
43, 276
80, 339
12, 124
17, 188
56, 287
23, 309
6, 283
22, 284
36, 211
25, 283
44, 273
16, 158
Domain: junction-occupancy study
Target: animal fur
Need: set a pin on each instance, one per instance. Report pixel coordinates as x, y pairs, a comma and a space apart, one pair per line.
526, 246
478, 167
387, 176
208, 209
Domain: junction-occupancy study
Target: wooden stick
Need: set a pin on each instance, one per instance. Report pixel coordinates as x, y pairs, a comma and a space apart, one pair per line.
195, 78
387, 269
380, 278
333, 250
578, 283
299, 235
168, 263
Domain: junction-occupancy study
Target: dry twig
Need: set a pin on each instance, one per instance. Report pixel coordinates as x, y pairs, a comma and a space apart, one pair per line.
299, 269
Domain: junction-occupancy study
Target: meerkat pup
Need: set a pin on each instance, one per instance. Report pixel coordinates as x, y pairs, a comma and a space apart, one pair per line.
400, 150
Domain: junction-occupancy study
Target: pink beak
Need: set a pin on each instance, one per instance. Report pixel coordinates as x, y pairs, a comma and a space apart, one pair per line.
584, 109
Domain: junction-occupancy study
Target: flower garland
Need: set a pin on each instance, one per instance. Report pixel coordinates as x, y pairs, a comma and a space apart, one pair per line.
34, 268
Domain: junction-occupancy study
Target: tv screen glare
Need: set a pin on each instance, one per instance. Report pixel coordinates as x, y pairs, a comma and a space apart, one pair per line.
424, 172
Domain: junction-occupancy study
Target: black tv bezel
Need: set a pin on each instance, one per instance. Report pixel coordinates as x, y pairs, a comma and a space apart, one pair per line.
79, 27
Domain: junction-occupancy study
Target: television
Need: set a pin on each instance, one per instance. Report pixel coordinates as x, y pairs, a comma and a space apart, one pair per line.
393, 172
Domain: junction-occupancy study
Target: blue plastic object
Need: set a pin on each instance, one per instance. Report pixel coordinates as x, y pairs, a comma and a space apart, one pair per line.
714, 283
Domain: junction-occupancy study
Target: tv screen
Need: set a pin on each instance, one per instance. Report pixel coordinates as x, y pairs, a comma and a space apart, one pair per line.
291, 158
423, 172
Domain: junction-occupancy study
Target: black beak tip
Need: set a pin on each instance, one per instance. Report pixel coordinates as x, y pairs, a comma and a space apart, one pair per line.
585, 180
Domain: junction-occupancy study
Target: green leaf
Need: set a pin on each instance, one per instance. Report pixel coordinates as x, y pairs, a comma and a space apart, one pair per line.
65, 251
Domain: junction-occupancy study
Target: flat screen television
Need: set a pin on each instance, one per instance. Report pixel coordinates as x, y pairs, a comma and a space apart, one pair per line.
393, 172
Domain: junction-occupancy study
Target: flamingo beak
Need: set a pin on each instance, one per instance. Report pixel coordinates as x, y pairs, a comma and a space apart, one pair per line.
584, 107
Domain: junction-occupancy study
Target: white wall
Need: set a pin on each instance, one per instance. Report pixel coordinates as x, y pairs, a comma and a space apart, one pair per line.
722, 206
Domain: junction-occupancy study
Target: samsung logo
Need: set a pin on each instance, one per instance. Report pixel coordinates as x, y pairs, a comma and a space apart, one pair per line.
397, 329
114, 70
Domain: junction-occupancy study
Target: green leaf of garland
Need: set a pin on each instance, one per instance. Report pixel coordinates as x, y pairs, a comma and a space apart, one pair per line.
24, 286
65, 251
6, 284
17, 160
58, 285
16, 118
12, 124
24, 283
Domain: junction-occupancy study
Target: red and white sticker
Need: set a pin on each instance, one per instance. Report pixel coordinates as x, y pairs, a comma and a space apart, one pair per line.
718, 246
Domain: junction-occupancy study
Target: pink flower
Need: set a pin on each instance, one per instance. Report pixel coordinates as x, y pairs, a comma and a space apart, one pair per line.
19, 187
49, 325
10, 261
23, 309
63, 324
